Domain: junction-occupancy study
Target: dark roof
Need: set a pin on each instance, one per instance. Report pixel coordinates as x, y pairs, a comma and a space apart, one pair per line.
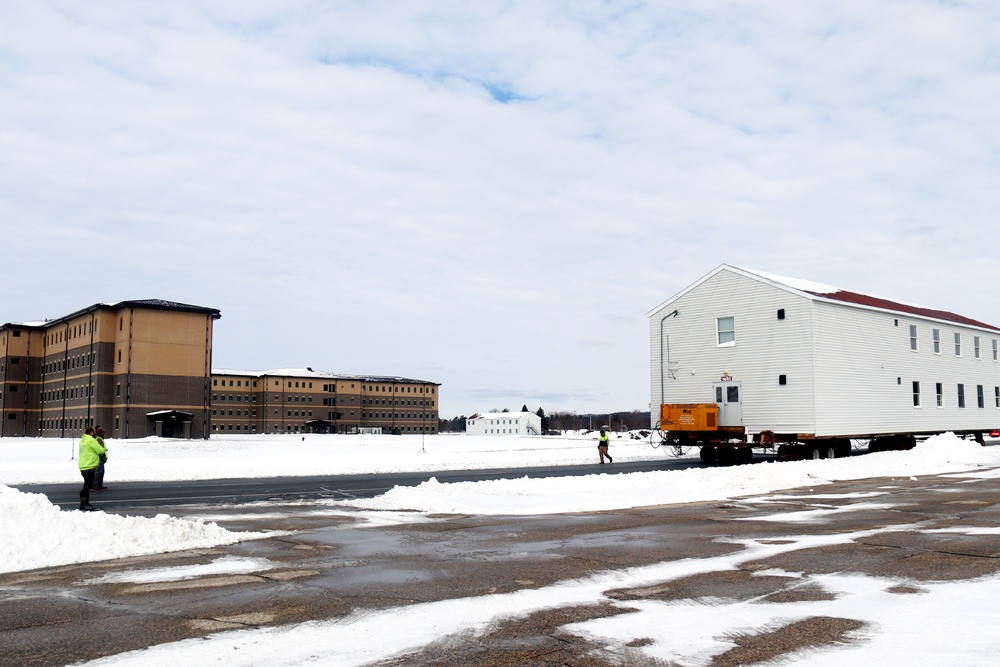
151, 304
320, 375
886, 304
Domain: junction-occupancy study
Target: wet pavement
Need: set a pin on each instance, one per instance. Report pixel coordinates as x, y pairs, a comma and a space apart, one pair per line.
334, 562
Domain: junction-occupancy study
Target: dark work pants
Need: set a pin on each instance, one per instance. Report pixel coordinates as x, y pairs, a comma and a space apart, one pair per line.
88, 481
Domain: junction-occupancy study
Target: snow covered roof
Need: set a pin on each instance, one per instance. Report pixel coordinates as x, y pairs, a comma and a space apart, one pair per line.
499, 415
814, 290
310, 373
858, 298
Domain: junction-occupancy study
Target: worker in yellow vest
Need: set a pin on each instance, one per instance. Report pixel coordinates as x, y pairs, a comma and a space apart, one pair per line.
602, 446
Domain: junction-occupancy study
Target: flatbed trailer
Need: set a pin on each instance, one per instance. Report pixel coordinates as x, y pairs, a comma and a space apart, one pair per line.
697, 425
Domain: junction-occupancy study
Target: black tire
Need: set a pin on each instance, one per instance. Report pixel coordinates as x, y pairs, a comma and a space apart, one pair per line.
708, 454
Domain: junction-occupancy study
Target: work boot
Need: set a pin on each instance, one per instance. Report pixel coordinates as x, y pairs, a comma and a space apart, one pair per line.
88, 508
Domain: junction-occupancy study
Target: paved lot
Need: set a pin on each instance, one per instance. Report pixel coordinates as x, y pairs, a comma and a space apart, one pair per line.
331, 566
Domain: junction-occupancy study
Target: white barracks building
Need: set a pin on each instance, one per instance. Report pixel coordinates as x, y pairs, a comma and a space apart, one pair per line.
504, 423
811, 360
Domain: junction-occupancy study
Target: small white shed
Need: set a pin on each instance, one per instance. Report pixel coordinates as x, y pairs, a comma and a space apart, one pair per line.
799, 357
504, 423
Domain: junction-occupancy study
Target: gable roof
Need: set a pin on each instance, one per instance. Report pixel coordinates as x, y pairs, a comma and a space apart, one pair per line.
822, 292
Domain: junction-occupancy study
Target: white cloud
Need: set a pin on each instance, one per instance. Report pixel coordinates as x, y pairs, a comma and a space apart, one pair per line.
374, 170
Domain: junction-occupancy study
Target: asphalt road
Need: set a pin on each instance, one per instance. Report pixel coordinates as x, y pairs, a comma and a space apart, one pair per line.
331, 564
122, 495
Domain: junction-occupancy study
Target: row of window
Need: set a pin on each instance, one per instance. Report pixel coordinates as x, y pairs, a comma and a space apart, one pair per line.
68, 333
309, 413
77, 361
936, 343
960, 395
726, 335
297, 384
296, 428
81, 391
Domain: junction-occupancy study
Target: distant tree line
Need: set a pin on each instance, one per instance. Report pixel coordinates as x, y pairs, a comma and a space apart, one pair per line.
567, 421
616, 421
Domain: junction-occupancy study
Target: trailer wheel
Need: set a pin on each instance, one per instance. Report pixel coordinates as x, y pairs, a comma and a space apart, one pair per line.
815, 453
831, 453
744, 455
707, 454
843, 447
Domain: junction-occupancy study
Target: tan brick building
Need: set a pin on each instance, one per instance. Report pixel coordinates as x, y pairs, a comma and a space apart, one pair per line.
138, 368
142, 368
306, 401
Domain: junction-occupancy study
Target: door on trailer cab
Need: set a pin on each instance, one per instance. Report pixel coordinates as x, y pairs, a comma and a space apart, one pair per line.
728, 397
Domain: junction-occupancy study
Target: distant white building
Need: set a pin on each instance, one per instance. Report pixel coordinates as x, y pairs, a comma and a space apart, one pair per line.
504, 423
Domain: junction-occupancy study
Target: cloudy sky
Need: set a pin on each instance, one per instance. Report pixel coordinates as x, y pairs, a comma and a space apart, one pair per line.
491, 195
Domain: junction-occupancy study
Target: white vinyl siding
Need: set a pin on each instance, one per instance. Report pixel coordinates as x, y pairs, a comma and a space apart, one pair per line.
767, 348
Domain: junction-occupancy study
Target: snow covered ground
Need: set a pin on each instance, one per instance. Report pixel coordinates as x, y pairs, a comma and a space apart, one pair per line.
908, 627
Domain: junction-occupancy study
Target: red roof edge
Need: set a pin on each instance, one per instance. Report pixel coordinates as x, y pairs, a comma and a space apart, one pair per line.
885, 304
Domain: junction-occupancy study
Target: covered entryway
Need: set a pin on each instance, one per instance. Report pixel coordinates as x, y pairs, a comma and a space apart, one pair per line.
318, 426
171, 423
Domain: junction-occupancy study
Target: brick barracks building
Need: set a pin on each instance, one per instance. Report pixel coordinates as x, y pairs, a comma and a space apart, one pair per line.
142, 368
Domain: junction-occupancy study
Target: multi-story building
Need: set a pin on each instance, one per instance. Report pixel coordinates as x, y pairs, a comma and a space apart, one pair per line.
292, 400
138, 368
142, 368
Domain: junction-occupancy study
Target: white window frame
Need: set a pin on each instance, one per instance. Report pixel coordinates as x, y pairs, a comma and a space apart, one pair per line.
729, 333
937, 341
913, 337
958, 344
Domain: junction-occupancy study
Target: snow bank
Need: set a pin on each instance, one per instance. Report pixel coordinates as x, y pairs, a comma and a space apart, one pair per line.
38, 534
942, 453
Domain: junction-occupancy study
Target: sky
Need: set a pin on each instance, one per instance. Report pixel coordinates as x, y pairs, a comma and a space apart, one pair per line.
490, 195
940, 625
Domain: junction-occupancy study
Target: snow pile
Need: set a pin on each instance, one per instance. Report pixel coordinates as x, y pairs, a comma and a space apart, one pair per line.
941, 453
37, 534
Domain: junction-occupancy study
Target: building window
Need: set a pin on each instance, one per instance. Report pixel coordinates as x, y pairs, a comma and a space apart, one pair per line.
980, 400
937, 341
961, 395
958, 344
939, 389
913, 336
727, 330
994, 349
975, 346
916, 394
996, 396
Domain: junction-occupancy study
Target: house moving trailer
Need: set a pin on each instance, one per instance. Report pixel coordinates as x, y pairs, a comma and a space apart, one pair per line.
743, 359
